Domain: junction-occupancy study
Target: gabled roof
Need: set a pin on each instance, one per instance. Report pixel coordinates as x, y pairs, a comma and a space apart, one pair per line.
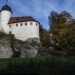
21, 19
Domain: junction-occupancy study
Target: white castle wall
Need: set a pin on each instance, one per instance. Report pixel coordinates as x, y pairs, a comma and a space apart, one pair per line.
5, 16
25, 31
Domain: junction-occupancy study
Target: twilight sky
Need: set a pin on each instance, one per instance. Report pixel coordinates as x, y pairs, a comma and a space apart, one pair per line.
39, 9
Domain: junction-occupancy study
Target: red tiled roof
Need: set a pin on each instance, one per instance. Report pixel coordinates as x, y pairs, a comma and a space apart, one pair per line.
20, 19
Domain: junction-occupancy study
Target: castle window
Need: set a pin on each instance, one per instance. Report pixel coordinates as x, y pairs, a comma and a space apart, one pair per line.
16, 24
9, 25
21, 24
36, 24
30, 23
25, 23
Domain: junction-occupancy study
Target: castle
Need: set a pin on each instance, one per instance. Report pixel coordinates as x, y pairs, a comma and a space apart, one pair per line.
23, 28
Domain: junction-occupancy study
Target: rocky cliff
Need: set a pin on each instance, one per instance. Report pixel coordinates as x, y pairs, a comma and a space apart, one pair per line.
5, 49
10, 47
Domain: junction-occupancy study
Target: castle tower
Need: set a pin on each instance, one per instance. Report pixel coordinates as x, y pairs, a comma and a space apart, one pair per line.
5, 16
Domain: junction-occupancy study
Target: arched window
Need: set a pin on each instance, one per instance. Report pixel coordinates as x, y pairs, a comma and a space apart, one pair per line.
36, 24
16, 24
21, 24
9, 25
25, 23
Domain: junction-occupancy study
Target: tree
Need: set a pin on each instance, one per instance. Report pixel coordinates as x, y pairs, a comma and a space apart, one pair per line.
44, 37
63, 29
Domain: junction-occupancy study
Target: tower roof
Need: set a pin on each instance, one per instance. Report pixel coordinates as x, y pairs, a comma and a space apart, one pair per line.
6, 7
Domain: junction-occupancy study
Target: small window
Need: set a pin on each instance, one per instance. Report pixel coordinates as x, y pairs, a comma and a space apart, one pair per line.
30, 23
36, 23
21, 24
9, 25
25, 23
16, 24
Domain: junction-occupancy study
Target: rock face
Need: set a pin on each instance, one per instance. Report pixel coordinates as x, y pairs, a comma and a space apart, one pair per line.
28, 48
5, 49
18, 48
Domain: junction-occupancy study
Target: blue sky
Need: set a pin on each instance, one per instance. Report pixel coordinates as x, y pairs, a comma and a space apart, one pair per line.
39, 9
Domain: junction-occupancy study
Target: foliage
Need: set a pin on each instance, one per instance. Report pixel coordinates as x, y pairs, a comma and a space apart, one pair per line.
10, 37
49, 65
44, 37
63, 29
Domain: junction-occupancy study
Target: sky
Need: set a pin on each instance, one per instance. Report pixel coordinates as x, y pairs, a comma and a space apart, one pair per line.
39, 9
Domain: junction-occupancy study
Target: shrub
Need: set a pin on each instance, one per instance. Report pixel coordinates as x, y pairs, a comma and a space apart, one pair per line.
48, 65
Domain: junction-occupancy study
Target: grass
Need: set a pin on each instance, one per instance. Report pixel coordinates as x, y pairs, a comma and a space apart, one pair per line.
48, 65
